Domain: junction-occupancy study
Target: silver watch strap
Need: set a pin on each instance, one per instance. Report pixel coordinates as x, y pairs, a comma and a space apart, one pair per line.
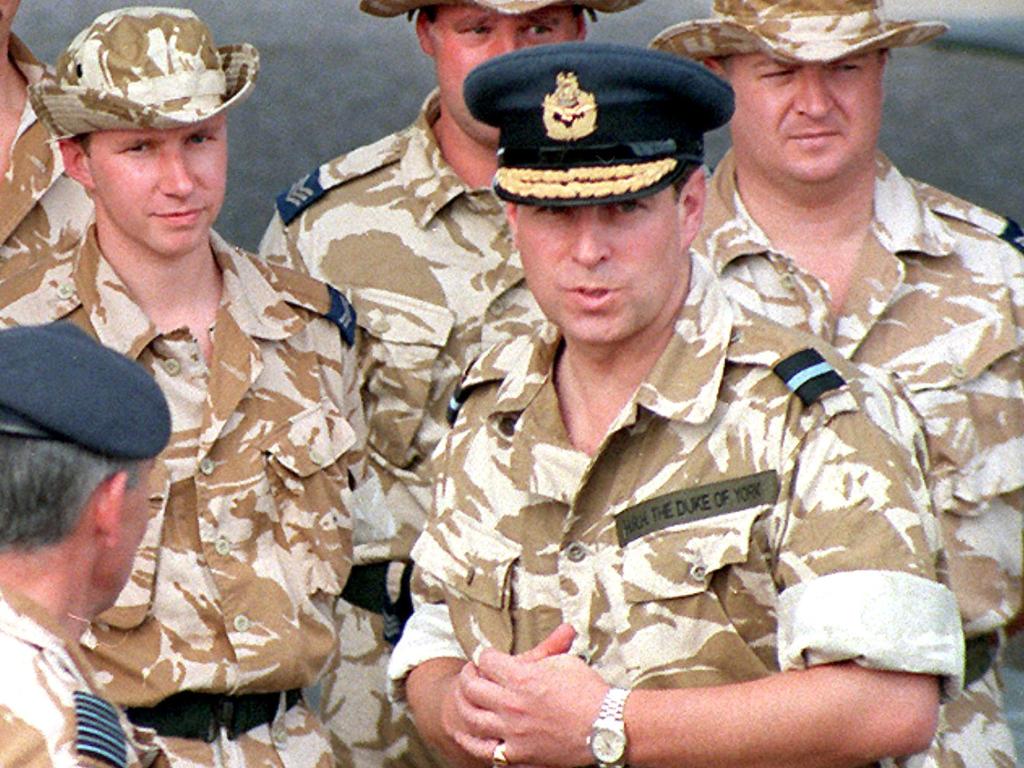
614, 704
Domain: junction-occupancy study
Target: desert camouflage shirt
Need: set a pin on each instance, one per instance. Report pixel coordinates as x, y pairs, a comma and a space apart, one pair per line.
51, 712
249, 541
42, 211
430, 267
940, 306
722, 531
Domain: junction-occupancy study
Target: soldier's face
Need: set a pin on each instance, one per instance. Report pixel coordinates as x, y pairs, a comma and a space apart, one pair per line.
157, 192
462, 36
806, 124
612, 277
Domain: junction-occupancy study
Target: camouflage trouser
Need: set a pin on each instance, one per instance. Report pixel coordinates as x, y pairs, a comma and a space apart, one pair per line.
296, 739
366, 730
973, 731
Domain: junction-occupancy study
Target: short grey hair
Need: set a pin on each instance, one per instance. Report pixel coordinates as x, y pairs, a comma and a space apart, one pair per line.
44, 486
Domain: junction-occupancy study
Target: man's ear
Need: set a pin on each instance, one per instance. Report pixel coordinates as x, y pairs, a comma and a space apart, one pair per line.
423, 31
717, 66
512, 214
105, 509
76, 162
691, 205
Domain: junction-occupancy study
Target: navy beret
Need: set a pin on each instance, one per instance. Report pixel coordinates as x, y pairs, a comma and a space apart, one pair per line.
584, 123
57, 383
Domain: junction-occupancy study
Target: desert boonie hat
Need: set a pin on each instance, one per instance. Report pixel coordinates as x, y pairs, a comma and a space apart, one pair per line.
399, 7
57, 383
803, 31
143, 68
588, 123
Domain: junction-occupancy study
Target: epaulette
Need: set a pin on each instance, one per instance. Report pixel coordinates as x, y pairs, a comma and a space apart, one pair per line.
342, 314
953, 207
359, 162
808, 375
485, 369
304, 291
1013, 234
98, 731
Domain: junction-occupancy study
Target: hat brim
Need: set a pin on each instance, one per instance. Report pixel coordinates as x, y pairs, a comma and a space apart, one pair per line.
69, 111
388, 8
595, 185
713, 38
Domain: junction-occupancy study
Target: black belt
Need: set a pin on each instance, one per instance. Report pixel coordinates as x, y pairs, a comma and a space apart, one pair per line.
979, 656
367, 588
190, 715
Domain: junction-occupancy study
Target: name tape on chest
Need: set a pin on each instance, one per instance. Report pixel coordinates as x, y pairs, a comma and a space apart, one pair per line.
98, 732
700, 503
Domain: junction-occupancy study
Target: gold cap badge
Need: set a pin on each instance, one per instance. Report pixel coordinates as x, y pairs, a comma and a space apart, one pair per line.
570, 113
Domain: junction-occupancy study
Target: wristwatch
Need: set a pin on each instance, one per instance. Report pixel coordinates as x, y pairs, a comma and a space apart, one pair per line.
607, 739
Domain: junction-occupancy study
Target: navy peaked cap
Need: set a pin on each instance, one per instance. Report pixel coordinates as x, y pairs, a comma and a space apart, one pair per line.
57, 383
585, 123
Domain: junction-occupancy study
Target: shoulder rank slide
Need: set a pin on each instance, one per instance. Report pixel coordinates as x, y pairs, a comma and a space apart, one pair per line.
98, 731
808, 375
1013, 234
299, 196
342, 314
459, 397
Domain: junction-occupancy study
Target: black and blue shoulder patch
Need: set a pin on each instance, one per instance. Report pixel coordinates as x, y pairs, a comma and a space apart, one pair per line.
299, 196
98, 732
342, 314
808, 375
458, 399
1013, 234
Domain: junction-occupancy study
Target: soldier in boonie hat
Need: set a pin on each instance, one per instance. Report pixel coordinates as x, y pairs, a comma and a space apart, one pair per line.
163, 72
794, 30
598, 123
256, 362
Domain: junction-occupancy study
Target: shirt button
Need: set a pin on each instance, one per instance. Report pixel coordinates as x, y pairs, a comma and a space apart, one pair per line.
172, 366
279, 734
959, 371
66, 290
576, 552
788, 281
222, 545
316, 457
698, 572
206, 465
380, 325
242, 623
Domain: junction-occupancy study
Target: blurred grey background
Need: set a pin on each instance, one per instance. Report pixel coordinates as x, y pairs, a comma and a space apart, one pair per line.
333, 78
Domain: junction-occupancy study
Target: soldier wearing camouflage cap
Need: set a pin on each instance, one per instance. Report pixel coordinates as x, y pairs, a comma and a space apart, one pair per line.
409, 229
75, 457
41, 209
810, 224
655, 533
229, 610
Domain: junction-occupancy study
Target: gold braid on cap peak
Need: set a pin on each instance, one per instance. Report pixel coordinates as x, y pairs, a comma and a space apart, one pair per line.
575, 183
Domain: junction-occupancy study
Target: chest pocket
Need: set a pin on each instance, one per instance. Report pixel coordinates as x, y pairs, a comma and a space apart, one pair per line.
307, 470
680, 625
405, 336
680, 561
475, 571
972, 403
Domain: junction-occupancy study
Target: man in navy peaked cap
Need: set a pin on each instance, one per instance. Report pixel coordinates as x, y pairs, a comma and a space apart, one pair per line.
655, 538
79, 426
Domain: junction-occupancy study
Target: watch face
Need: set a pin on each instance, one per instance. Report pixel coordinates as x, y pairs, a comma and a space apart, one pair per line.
608, 745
